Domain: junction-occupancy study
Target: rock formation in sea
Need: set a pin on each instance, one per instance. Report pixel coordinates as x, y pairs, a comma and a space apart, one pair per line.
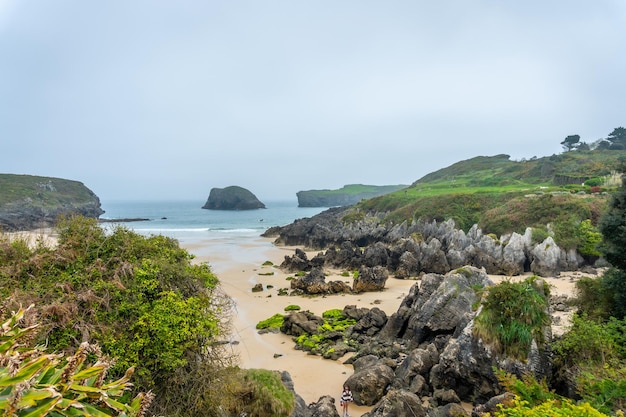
345, 196
30, 202
232, 198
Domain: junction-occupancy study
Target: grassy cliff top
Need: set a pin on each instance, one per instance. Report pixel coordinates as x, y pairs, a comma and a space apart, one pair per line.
44, 191
504, 196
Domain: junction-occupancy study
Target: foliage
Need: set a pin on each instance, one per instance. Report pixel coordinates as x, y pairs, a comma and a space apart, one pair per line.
292, 307
539, 234
140, 298
553, 408
589, 238
265, 395
592, 299
34, 383
605, 392
527, 389
512, 315
594, 353
587, 342
273, 322
613, 229
534, 399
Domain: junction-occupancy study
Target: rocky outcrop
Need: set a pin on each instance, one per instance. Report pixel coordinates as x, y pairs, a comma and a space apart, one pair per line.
30, 202
425, 358
347, 195
232, 198
422, 247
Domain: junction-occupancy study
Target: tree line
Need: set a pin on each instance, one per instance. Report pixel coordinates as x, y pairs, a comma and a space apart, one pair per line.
616, 140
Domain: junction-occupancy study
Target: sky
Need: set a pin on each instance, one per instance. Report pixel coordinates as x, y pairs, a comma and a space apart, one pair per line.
165, 100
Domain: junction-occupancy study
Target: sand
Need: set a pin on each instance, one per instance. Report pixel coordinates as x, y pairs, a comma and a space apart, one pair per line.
240, 266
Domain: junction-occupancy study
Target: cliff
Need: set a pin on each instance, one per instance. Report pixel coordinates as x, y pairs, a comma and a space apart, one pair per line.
30, 202
345, 196
232, 198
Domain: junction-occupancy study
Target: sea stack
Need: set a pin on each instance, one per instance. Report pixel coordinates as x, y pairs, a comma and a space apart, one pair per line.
232, 198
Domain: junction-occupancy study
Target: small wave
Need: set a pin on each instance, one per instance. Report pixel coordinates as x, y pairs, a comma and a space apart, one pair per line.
167, 229
218, 230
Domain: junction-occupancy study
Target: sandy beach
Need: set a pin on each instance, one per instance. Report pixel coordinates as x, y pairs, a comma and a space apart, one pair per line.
240, 265
239, 268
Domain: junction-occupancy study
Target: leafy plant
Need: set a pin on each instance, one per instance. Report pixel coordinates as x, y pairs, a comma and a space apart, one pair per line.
513, 314
266, 395
36, 384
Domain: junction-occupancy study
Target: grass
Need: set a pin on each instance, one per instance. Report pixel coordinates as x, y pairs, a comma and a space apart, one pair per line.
266, 395
513, 314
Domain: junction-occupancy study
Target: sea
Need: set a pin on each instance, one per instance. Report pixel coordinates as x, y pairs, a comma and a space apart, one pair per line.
188, 222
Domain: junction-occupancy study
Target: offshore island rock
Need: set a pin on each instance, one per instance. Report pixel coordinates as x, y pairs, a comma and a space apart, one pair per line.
232, 198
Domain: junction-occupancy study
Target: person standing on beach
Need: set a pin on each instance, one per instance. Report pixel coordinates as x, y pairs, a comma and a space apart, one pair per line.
346, 398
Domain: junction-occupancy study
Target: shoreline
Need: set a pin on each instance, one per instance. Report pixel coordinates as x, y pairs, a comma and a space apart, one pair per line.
239, 270
240, 263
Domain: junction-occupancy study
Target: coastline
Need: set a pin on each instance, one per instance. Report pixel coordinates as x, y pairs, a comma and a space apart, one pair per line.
239, 267
239, 264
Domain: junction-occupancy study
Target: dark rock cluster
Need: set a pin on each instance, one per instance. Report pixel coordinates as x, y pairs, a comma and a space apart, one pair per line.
422, 247
425, 360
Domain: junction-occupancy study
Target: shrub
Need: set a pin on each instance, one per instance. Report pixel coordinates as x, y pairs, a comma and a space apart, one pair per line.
552, 408
514, 314
539, 234
265, 395
292, 307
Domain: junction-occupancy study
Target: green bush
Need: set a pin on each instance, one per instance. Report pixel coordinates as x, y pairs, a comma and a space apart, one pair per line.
140, 298
552, 408
292, 307
539, 234
266, 394
513, 314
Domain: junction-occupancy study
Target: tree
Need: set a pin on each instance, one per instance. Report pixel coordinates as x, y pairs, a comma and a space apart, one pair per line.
613, 228
571, 142
617, 138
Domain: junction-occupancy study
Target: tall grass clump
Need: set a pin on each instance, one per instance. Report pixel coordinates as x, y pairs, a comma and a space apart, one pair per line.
265, 395
513, 315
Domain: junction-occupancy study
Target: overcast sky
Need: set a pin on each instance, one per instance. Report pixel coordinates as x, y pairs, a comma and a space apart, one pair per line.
158, 99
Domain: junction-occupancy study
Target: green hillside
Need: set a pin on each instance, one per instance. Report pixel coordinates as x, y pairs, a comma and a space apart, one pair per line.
554, 193
45, 191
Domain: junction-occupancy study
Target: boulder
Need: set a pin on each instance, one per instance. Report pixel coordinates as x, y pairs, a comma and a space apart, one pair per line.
369, 383
440, 306
232, 198
370, 279
324, 407
314, 283
398, 403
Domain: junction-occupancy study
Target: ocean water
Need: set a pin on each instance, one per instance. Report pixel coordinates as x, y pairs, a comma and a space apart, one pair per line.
188, 222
